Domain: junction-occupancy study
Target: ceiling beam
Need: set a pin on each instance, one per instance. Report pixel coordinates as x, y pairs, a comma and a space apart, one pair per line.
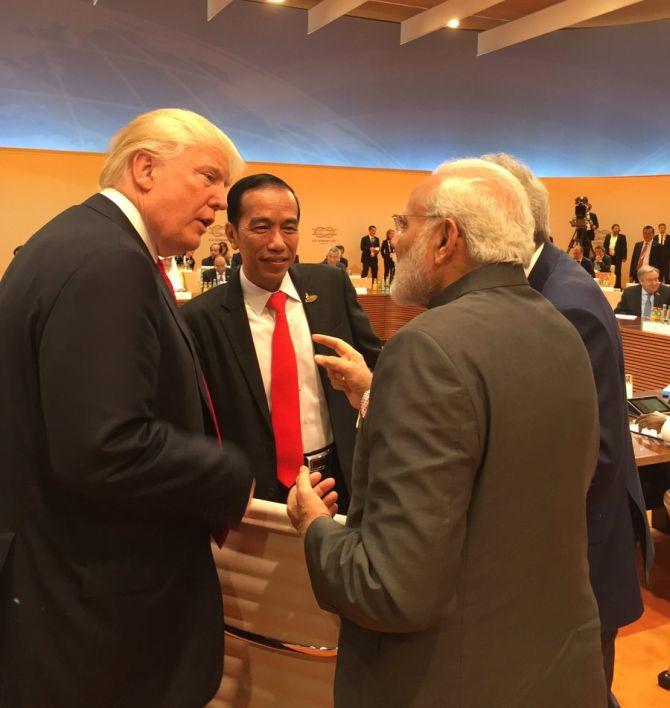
214, 7
437, 17
329, 10
552, 18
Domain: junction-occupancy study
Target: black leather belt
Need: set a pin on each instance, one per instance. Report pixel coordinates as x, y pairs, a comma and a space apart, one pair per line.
320, 460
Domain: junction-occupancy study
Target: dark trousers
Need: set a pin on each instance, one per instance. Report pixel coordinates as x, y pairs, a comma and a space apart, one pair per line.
618, 264
607, 644
389, 269
370, 264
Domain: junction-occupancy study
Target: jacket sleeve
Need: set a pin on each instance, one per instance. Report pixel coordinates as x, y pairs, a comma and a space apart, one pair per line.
397, 572
365, 339
99, 359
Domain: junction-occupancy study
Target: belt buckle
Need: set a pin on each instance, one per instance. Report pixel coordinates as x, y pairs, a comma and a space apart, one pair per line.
318, 462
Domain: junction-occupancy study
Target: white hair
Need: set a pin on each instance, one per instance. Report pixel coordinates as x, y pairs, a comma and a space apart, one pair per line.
166, 133
490, 209
641, 272
537, 193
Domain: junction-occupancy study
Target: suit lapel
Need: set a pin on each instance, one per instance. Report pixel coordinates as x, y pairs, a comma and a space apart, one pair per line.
107, 208
304, 284
236, 326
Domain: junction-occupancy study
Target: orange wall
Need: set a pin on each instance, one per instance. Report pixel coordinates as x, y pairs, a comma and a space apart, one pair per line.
337, 203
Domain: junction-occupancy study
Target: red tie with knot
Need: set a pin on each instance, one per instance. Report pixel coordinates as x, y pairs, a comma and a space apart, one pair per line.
285, 396
219, 535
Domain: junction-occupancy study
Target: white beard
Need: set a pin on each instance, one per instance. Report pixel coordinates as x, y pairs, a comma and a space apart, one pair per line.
412, 285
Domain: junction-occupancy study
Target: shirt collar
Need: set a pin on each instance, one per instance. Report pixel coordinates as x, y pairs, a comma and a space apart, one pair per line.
533, 260
133, 215
257, 298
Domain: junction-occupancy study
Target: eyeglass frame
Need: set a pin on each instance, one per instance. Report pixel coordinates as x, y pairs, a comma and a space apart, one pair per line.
399, 228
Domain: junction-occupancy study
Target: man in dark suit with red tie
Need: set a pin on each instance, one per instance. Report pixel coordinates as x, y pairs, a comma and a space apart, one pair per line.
253, 336
646, 252
109, 487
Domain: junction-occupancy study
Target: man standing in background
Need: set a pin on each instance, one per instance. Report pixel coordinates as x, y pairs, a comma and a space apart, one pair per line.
109, 489
646, 252
615, 246
369, 253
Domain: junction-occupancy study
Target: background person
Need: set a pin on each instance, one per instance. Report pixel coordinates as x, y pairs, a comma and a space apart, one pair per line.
388, 255
617, 249
646, 253
369, 253
639, 299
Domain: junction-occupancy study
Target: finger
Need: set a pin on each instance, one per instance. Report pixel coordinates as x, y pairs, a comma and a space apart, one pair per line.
330, 498
332, 510
332, 363
337, 381
314, 478
302, 483
325, 486
337, 345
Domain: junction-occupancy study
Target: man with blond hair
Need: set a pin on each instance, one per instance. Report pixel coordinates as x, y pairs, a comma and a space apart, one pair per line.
109, 487
461, 575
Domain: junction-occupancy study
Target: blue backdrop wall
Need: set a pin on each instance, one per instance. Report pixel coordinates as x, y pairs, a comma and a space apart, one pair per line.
574, 103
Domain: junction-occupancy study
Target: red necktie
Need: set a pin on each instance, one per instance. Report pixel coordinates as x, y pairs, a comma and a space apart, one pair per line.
285, 396
219, 535
161, 270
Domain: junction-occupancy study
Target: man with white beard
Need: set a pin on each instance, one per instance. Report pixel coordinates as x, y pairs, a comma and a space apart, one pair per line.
460, 576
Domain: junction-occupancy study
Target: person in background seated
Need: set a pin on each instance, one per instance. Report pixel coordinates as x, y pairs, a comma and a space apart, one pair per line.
639, 299
646, 252
342, 258
253, 337
214, 251
236, 258
617, 249
577, 255
333, 258
601, 261
225, 252
217, 274
388, 254
188, 261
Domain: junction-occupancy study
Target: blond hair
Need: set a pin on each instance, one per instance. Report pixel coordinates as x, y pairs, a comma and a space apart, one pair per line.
166, 133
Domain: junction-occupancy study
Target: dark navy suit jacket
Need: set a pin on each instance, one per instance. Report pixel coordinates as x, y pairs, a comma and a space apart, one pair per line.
615, 506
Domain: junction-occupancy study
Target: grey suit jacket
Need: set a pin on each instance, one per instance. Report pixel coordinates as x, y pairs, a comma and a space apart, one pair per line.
461, 575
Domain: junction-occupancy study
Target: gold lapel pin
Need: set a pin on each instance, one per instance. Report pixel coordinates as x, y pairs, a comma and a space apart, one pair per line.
310, 298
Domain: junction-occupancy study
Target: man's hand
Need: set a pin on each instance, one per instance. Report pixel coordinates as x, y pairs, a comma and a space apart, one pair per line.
309, 498
651, 421
348, 371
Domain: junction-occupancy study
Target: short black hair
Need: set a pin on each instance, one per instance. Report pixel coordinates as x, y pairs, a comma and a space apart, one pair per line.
613, 225
372, 226
248, 184
648, 226
661, 224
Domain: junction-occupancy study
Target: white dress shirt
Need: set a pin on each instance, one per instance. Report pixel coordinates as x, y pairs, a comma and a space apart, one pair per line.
314, 416
646, 297
613, 240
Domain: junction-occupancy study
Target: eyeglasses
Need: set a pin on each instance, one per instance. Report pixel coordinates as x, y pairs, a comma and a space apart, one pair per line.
400, 220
